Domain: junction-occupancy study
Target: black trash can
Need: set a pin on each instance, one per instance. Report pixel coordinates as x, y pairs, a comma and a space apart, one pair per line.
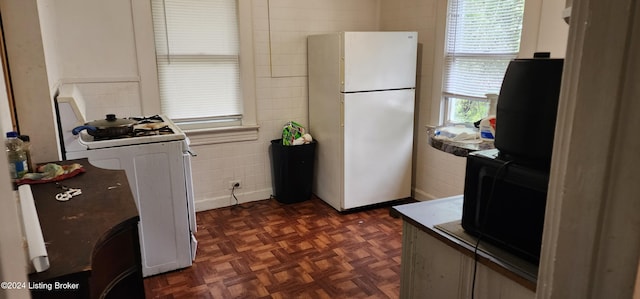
292, 171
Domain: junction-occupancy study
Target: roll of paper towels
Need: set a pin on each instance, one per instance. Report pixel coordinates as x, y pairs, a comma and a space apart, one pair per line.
36, 250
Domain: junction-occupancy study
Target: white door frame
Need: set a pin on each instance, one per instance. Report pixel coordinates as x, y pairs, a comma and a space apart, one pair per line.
591, 241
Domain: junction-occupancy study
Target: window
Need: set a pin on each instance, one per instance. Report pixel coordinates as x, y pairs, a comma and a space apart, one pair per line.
197, 50
482, 37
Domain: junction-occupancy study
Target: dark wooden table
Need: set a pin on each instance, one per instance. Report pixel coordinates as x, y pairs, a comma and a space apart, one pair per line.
91, 240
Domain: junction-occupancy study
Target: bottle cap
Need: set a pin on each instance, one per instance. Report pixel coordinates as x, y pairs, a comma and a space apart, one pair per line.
12, 134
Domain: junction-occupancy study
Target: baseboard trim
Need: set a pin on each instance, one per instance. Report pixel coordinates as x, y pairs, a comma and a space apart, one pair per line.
228, 200
422, 195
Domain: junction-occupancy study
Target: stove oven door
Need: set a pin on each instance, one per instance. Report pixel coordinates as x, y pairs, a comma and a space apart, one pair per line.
158, 180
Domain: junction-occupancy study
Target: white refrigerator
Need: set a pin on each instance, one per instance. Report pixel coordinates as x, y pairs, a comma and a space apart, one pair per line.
361, 106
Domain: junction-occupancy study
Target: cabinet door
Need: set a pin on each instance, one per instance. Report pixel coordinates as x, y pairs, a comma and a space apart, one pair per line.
432, 269
116, 268
492, 285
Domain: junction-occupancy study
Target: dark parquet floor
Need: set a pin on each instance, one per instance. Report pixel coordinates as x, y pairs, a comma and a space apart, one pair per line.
266, 249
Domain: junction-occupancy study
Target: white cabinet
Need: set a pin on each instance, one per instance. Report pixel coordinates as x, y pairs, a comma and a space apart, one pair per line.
432, 269
436, 264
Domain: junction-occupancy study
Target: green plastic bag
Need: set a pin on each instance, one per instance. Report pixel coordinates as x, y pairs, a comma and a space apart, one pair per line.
291, 131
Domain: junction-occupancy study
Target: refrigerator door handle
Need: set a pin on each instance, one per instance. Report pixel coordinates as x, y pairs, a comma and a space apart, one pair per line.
342, 73
342, 113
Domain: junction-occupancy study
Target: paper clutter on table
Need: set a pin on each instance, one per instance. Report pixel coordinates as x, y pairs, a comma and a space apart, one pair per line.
459, 133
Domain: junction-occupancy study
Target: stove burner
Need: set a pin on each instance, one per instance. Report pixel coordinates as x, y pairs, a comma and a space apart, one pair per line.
150, 132
140, 130
148, 119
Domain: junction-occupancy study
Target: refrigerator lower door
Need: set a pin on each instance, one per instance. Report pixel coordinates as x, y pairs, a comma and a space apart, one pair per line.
378, 146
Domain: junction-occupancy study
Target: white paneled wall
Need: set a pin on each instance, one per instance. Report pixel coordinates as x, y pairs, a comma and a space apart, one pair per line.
279, 39
439, 174
279, 35
216, 165
280, 28
119, 98
292, 21
279, 51
436, 174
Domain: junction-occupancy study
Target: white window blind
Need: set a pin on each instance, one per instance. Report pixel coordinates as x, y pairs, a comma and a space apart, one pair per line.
197, 50
482, 37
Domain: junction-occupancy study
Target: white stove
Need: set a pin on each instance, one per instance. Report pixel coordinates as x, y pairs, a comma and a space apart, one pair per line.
145, 131
157, 159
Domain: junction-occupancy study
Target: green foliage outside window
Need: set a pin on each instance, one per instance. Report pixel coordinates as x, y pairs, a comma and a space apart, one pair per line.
468, 111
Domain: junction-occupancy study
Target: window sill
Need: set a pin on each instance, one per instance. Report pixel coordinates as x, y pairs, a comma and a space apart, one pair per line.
222, 135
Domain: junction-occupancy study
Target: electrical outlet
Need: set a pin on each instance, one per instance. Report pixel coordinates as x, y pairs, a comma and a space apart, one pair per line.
236, 183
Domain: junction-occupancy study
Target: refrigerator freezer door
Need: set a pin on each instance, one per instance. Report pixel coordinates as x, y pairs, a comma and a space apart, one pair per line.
378, 145
379, 60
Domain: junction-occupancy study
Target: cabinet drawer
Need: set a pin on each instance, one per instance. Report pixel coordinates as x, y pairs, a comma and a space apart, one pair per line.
116, 263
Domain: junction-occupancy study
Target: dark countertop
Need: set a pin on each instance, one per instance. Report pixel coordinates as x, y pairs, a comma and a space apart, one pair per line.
456, 148
430, 217
73, 229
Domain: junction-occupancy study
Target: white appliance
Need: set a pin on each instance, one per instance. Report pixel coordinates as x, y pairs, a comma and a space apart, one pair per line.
158, 167
361, 106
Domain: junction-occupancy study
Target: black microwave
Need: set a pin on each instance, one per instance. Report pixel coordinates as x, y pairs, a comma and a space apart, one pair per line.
504, 203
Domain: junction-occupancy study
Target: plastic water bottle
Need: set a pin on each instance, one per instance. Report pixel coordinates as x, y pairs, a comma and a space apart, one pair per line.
26, 146
16, 156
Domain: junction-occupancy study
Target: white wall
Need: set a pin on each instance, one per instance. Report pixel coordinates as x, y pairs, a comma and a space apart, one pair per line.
95, 40
281, 92
435, 174
12, 259
49, 43
48, 25
32, 94
95, 48
290, 22
544, 29
92, 43
554, 31
5, 112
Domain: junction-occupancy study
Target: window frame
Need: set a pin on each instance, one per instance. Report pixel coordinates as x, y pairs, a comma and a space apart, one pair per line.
200, 133
528, 46
447, 96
